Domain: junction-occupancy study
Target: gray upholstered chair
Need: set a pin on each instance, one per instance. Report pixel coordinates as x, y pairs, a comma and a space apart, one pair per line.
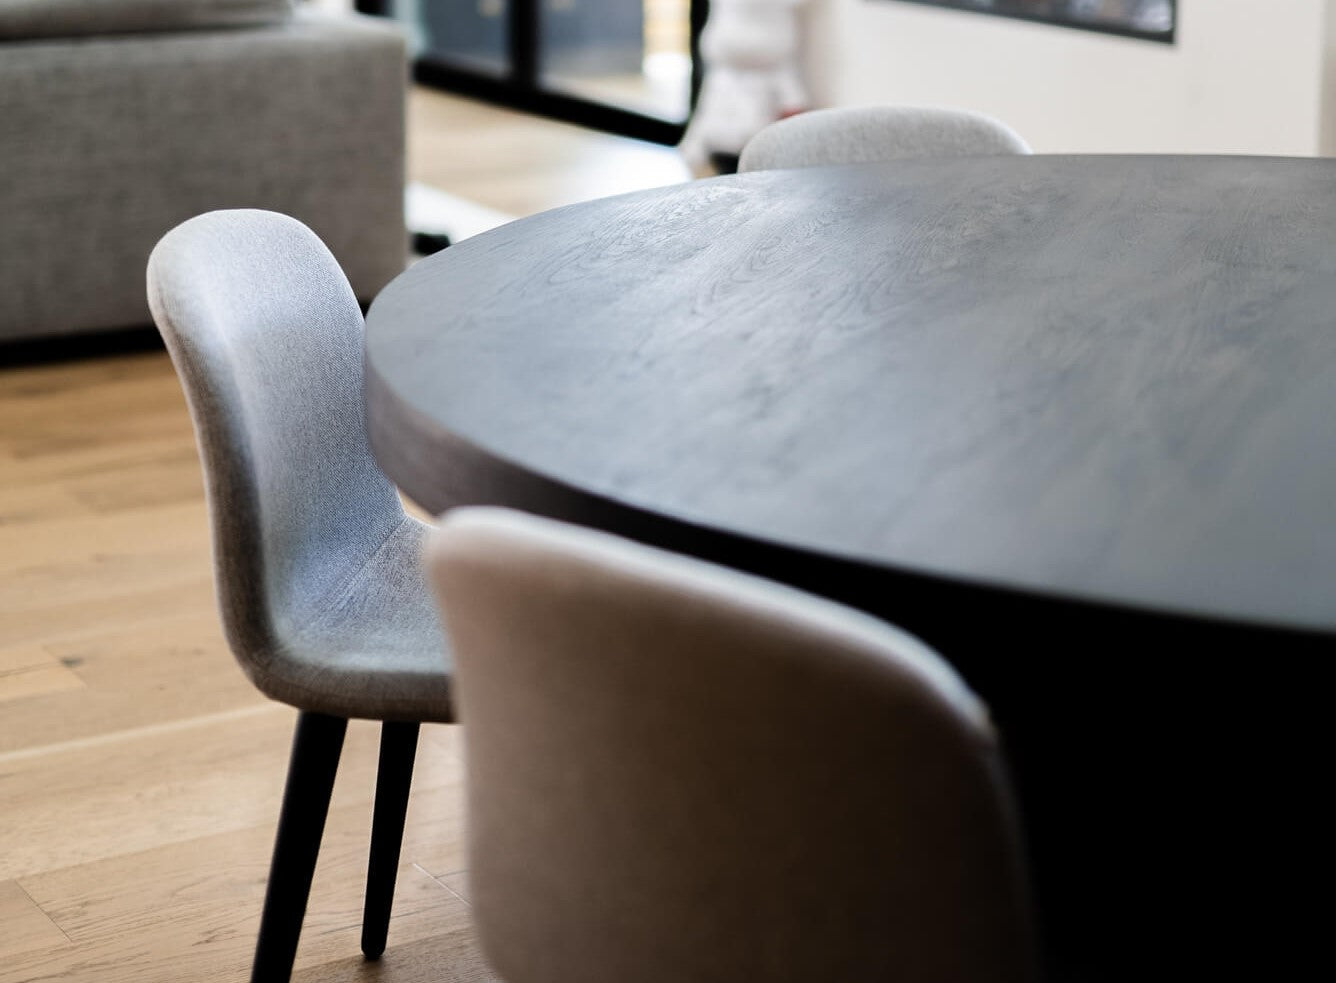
318, 568
678, 772
868, 134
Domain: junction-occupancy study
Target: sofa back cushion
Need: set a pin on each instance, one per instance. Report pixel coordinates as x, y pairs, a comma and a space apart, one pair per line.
71, 18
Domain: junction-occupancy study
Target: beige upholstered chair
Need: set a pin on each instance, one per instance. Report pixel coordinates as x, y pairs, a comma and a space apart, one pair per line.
317, 567
678, 772
868, 134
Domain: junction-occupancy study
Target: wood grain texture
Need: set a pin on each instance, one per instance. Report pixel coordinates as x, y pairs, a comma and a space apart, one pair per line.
34, 680
193, 908
26, 926
1101, 378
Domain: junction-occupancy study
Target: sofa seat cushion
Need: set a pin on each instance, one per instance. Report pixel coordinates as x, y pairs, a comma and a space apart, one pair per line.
72, 18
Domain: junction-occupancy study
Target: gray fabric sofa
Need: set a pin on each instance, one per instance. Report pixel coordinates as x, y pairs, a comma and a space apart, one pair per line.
119, 119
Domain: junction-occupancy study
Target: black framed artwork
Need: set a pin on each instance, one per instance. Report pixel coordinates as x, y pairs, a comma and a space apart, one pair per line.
1152, 20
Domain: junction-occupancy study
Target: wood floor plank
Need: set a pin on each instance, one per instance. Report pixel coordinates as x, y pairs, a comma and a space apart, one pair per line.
452, 957
33, 610
24, 503
50, 422
15, 658
55, 424
59, 596
143, 533
93, 460
499, 169
193, 907
118, 796
94, 571
216, 942
199, 882
135, 676
25, 926
80, 375
127, 793
457, 883
42, 680
170, 477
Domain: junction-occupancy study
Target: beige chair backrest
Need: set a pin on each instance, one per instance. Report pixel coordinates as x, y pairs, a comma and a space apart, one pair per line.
871, 134
682, 773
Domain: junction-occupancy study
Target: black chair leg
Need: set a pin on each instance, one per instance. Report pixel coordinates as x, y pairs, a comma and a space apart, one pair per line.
398, 746
301, 823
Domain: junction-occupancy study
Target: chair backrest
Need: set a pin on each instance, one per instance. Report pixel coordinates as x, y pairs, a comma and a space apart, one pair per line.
869, 134
679, 772
266, 336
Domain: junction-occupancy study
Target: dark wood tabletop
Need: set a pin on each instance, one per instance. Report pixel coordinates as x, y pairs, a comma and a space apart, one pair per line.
1107, 378
1077, 410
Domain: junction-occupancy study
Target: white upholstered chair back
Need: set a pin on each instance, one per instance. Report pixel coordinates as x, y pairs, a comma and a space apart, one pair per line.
678, 772
871, 134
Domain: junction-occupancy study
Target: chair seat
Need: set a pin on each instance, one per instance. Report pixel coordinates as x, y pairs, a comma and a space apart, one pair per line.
374, 650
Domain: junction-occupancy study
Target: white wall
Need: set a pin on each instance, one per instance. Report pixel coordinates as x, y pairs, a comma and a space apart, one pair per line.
1244, 76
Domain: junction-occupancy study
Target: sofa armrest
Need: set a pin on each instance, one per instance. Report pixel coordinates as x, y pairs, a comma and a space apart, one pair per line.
78, 18
109, 142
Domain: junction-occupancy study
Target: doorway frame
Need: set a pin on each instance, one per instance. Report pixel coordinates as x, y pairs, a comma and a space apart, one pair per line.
522, 87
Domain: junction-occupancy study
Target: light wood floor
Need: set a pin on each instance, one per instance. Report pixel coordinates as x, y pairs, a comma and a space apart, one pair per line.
520, 165
140, 773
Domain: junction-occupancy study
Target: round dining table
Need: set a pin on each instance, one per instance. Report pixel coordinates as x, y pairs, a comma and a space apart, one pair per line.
1072, 420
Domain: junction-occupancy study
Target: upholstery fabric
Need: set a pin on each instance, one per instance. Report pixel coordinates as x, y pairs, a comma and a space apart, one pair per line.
318, 568
108, 142
70, 18
679, 772
869, 134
